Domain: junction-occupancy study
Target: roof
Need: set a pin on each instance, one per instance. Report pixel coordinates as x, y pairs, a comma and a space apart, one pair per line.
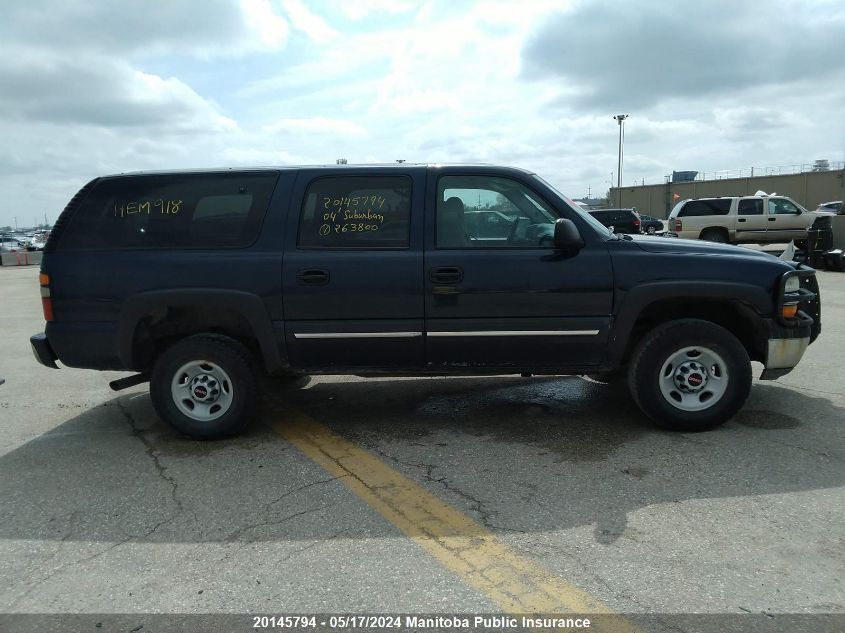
328, 166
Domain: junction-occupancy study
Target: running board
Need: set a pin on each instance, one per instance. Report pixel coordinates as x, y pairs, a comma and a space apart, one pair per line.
129, 381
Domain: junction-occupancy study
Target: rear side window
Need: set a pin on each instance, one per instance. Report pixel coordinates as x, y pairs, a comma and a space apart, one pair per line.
171, 211
356, 212
706, 207
750, 206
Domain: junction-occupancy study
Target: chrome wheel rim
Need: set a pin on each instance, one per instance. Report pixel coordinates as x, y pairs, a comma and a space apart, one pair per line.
651, 230
201, 390
694, 378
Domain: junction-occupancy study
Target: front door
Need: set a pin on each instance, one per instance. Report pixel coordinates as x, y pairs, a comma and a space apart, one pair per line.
751, 221
785, 220
498, 295
352, 270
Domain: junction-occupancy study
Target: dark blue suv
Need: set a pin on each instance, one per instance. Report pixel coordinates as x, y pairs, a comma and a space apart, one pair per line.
200, 281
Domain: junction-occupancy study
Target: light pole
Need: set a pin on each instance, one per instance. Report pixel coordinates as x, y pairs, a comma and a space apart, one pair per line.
620, 119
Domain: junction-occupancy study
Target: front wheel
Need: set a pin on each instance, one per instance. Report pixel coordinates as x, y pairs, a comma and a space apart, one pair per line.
205, 386
690, 375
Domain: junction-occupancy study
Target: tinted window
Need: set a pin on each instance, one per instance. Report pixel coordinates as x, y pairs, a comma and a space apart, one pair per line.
172, 211
750, 206
485, 211
706, 207
356, 212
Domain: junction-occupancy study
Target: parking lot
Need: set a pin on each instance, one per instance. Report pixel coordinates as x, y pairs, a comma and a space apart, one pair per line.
434, 496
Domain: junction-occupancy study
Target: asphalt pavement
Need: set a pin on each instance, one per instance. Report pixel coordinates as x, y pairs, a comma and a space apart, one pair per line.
434, 495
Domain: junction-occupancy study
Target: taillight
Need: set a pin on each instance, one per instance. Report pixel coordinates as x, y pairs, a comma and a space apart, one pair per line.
677, 225
46, 299
636, 222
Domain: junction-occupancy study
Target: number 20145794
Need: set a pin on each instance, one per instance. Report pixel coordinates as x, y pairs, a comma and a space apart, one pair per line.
283, 621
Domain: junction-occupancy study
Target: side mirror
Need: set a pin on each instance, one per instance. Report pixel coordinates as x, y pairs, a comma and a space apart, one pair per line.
567, 238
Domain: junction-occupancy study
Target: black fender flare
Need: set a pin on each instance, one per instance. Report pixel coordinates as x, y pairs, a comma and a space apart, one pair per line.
248, 305
634, 301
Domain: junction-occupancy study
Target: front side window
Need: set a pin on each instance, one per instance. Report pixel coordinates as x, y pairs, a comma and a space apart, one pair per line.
171, 211
356, 212
750, 206
781, 206
488, 211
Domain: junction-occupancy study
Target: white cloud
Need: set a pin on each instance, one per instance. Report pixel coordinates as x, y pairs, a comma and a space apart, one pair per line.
360, 9
316, 125
309, 23
271, 29
202, 28
88, 90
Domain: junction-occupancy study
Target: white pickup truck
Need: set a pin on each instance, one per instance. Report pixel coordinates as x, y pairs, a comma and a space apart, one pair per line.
755, 219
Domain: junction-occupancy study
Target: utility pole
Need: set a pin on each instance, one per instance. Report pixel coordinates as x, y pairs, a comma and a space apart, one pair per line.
620, 119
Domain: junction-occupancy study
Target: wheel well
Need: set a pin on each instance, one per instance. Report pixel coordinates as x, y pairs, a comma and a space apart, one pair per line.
715, 229
735, 316
159, 329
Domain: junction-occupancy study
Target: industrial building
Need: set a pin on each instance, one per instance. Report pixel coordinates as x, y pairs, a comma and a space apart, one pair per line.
807, 188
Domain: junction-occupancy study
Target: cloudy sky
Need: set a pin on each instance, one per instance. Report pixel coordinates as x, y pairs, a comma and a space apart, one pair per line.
89, 87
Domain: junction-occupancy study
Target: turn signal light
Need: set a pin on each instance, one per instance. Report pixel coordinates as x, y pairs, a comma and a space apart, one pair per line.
789, 311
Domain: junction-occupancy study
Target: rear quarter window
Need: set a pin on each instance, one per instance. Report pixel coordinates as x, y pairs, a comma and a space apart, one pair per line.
171, 211
719, 206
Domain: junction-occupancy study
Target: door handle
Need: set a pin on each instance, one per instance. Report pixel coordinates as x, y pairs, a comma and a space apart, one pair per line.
448, 275
740, 219
772, 219
313, 277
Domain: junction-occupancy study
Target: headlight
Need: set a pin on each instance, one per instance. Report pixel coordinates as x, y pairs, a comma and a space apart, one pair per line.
793, 284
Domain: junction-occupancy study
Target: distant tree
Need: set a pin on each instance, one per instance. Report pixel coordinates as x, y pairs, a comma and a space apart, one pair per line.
5, 229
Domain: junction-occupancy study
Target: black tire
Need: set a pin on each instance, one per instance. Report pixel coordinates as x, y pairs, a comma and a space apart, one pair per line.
714, 235
668, 339
219, 353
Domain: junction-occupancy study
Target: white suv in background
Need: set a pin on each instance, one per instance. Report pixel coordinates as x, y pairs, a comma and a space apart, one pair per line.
755, 219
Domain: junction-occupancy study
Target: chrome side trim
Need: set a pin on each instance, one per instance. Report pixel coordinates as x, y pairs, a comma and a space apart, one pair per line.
357, 335
518, 333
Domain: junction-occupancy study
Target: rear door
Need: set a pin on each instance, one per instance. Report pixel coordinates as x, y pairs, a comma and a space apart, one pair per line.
751, 221
493, 303
352, 271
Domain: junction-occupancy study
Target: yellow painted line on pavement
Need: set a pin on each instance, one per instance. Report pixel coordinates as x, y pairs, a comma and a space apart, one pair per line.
515, 583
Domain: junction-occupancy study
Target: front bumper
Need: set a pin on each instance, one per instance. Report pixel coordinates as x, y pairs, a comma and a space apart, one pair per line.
785, 346
44, 354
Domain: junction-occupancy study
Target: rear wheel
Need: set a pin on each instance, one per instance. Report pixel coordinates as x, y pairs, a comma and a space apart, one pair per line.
205, 386
715, 235
690, 375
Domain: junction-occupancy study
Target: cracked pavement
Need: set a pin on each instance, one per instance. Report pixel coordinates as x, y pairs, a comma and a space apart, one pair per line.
104, 509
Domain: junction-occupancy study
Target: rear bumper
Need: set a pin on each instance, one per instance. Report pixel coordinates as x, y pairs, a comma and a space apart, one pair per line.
44, 354
81, 345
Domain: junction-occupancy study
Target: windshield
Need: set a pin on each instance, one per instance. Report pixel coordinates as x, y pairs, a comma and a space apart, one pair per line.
600, 228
